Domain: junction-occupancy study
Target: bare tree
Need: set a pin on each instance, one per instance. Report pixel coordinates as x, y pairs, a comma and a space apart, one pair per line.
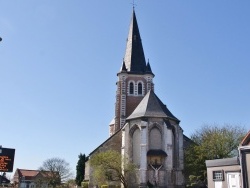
59, 169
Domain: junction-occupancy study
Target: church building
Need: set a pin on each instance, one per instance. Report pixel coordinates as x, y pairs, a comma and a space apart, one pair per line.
143, 129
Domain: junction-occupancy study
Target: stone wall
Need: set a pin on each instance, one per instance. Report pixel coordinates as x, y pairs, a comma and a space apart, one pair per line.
112, 143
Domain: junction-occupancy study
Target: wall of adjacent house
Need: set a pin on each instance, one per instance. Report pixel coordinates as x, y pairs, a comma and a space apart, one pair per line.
245, 165
248, 168
225, 170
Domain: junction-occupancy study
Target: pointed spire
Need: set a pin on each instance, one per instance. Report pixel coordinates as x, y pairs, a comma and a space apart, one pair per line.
148, 68
134, 55
123, 68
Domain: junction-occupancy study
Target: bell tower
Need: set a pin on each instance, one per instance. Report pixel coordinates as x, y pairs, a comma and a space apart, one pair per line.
135, 78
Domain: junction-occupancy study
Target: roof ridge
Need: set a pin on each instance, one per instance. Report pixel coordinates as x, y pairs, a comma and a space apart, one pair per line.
27, 169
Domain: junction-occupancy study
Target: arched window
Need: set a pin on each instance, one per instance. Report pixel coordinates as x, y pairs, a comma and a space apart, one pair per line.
155, 138
131, 88
139, 88
136, 146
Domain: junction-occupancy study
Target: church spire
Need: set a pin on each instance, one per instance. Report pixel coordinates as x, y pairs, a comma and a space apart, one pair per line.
134, 56
135, 78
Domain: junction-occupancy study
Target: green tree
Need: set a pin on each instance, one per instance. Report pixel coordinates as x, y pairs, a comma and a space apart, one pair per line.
59, 170
70, 183
211, 142
80, 169
111, 166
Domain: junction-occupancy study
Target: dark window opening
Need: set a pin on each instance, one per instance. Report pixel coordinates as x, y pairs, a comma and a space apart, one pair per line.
218, 175
139, 89
131, 88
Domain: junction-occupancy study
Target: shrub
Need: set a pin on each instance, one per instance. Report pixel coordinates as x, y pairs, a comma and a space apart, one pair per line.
114, 186
85, 184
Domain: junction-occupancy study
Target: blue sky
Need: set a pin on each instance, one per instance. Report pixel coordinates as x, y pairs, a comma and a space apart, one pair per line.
59, 59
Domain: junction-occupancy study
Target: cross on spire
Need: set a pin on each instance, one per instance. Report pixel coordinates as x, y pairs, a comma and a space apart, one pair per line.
133, 3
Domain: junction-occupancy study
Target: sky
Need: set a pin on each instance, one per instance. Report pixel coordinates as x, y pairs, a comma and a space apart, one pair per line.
59, 60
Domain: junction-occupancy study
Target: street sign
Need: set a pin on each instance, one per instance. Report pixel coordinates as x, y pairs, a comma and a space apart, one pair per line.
7, 156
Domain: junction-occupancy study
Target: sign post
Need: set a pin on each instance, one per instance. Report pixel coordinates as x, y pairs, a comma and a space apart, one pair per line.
2, 173
7, 156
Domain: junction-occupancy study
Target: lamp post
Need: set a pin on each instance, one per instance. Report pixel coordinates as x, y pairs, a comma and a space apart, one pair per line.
1, 176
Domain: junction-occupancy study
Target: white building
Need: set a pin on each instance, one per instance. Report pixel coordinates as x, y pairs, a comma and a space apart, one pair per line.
231, 172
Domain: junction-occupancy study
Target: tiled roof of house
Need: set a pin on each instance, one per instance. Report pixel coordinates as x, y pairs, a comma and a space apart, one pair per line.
48, 173
246, 139
27, 173
31, 174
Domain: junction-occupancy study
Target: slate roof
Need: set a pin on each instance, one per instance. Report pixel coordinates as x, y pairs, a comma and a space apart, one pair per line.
154, 152
134, 58
102, 144
222, 162
4, 180
151, 106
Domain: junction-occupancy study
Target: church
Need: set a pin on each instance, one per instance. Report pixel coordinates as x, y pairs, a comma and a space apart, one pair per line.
143, 129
